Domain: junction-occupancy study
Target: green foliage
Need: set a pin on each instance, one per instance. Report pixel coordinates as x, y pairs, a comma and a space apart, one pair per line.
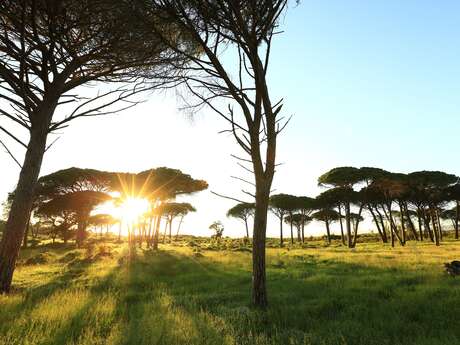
326, 215
218, 228
178, 296
341, 177
242, 210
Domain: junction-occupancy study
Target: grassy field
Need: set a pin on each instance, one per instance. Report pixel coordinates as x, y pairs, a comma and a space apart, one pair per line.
184, 295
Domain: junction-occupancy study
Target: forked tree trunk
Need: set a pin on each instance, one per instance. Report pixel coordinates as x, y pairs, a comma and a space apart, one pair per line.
23, 198
382, 224
377, 224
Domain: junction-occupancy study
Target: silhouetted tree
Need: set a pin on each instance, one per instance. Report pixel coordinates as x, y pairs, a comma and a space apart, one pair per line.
248, 27
48, 49
218, 229
298, 220
346, 178
172, 210
279, 207
242, 211
328, 216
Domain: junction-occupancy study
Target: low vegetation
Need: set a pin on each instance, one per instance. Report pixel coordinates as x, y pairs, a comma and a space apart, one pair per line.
195, 291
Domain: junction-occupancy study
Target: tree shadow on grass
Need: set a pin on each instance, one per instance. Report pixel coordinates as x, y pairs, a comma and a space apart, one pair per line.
311, 301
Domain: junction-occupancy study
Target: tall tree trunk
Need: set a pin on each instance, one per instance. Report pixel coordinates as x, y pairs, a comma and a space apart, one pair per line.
292, 230
328, 232
435, 227
377, 224
259, 288
156, 236
457, 220
281, 231
439, 223
348, 225
23, 198
403, 224
410, 222
180, 224
341, 225
170, 229
355, 230
26, 234
382, 224
419, 220
426, 220
247, 228
165, 230
81, 234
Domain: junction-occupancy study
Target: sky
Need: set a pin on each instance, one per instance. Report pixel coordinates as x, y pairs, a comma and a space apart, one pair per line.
368, 83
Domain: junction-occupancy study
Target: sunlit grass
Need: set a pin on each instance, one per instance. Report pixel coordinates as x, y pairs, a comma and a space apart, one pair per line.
323, 295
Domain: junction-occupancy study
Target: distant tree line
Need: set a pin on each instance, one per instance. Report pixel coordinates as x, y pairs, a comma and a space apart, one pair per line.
403, 207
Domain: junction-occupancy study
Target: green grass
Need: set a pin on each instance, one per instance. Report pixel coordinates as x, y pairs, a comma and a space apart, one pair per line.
318, 295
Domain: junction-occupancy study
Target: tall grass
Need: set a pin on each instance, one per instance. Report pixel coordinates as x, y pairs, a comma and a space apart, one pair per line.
318, 295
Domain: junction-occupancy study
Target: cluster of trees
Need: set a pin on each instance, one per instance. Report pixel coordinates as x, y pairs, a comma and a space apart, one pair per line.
50, 49
65, 202
402, 206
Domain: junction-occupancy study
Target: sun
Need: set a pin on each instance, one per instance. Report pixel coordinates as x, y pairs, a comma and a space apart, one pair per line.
133, 208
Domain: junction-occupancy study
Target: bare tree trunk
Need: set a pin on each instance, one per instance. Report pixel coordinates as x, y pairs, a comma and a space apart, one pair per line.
81, 232
170, 229
348, 225
259, 288
377, 224
341, 225
358, 220
439, 223
426, 221
403, 225
247, 229
26, 234
382, 224
292, 230
410, 222
419, 220
165, 230
328, 232
457, 220
23, 198
281, 232
303, 233
435, 228
156, 236
180, 223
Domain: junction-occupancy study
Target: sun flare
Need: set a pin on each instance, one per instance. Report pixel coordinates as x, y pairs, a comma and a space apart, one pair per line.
133, 208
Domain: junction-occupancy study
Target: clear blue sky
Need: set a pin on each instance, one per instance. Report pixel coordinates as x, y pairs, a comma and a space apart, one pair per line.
370, 83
